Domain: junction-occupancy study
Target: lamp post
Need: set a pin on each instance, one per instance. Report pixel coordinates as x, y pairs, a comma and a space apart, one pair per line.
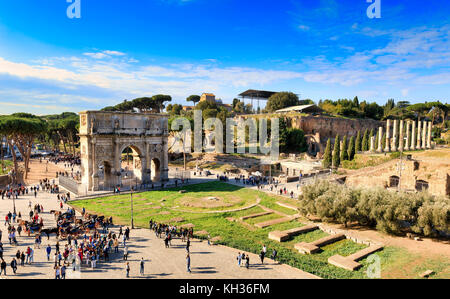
14, 203
131, 202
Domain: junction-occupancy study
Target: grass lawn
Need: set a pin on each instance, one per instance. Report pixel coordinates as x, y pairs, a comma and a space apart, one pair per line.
6, 166
163, 206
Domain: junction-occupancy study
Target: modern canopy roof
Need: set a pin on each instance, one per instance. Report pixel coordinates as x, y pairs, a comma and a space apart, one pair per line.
302, 108
257, 94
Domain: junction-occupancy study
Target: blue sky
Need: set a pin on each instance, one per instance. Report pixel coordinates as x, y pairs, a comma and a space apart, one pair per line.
126, 49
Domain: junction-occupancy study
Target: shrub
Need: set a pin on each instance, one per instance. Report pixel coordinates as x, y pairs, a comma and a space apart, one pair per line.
389, 212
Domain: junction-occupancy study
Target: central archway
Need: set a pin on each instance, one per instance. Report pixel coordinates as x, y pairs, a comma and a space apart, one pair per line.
131, 166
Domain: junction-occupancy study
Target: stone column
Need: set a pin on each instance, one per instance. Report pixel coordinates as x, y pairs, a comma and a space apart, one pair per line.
408, 135
372, 143
388, 136
165, 162
424, 135
94, 186
394, 136
380, 140
419, 135
413, 137
117, 163
147, 166
401, 140
429, 135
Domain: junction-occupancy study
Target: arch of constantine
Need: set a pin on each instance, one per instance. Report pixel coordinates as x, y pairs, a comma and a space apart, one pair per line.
104, 136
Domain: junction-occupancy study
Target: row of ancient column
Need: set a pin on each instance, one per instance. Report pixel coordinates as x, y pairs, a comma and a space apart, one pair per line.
413, 141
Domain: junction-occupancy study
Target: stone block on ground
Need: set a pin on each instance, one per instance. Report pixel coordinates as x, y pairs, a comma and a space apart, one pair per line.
255, 215
314, 247
282, 236
427, 273
273, 222
351, 262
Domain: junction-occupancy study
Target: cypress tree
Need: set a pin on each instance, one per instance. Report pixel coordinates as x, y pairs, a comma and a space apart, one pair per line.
358, 142
326, 163
376, 139
383, 141
365, 141
336, 152
351, 149
344, 153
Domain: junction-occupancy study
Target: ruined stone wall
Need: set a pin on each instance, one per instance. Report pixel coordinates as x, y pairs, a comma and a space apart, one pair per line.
329, 127
435, 173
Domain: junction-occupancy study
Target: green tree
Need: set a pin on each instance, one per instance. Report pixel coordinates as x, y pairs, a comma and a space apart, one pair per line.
296, 141
351, 149
344, 153
193, 98
365, 141
281, 100
358, 142
21, 130
336, 152
327, 159
159, 100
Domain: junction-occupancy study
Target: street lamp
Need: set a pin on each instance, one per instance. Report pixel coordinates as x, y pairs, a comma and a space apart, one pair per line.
131, 202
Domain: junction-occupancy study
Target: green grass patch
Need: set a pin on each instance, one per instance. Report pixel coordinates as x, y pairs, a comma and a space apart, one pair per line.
149, 205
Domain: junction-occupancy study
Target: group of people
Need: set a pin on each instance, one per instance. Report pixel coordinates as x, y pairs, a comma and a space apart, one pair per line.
246, 257
49, 186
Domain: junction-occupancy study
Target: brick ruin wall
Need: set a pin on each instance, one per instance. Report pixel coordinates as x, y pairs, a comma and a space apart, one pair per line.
329, 127
435, 173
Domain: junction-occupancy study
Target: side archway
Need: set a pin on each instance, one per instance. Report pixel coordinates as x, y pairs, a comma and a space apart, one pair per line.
155, 170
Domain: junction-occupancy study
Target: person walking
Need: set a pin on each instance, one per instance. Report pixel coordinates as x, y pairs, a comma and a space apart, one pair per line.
239, 259
188, 263
274, 255
57, 273
247, 261
14, 265
22, 259
125, 253
142, 267
128, 269
63, 272
3, 267
48, 250
188, 244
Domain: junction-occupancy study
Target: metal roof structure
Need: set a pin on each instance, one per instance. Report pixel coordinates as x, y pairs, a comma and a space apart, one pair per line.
312, 108
257, 94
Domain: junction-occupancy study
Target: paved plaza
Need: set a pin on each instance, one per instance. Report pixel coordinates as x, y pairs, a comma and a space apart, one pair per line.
207, 262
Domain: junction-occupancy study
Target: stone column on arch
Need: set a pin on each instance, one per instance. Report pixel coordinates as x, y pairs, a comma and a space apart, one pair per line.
401, 140
408, 135
430, 125
419, 135
388, 136
94, 186
424, 135
380, 140
117, 162
394, 136
148, 168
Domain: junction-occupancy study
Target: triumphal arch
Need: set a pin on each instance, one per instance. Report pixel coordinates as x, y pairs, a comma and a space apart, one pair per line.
118, 148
